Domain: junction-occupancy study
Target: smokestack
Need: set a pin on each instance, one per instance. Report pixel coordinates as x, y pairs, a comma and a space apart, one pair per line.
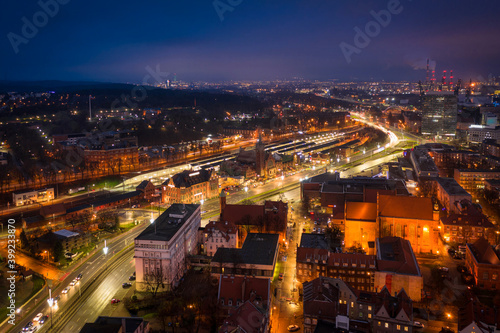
427, 76
451, 77
444, 77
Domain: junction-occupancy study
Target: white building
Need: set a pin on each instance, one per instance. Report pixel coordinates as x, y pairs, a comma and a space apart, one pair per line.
219, 234
30, 197
479, 133
161, 249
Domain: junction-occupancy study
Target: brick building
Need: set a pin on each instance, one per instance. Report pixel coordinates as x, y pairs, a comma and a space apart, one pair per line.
483, 262
190, 186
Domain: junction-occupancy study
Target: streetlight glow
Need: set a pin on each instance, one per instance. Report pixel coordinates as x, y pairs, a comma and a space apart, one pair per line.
105, 249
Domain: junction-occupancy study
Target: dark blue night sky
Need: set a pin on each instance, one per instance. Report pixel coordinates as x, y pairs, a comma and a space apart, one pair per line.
115, 41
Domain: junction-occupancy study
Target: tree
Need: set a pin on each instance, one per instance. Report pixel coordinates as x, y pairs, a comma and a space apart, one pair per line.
58, 251
24, 240
154, 279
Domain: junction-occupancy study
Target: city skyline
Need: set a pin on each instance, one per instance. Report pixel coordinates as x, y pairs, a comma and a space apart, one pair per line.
239, 40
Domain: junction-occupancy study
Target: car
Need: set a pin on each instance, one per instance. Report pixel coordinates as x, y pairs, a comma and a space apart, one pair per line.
126, 285
131, 278
28, 326
280, 277
38, 316
43, 319
56, 299
79, 277
65, 290
72, 283
293, 328
451, 252
418, 324
115, 301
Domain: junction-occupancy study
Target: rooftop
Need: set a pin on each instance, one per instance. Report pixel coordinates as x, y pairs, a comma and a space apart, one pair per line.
396, 255
451, 186
315, 241
188, 178
483, 252
406, 207
168, 223
258, 249
361, 211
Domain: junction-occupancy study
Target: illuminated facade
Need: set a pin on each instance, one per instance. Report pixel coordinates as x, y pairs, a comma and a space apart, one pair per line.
439, 114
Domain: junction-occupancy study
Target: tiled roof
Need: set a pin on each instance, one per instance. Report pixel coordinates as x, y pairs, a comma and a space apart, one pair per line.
188, 178
395, 254
405, 207
361, 211
462, 219
483, 252
242, 289
320, 298
247, 317
352, 259
225, 228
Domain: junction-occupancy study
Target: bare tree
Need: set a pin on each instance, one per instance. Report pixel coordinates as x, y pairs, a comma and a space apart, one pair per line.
155, 279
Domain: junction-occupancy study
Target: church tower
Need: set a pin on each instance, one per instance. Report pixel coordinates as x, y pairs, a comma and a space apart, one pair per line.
222, 199
260, 156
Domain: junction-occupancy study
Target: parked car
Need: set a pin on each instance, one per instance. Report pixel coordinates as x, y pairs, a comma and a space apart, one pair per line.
126, 285
131, 278
293, 328
115, 301
418, 324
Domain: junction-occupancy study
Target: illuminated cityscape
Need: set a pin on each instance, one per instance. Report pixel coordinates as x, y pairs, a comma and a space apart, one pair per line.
250, 167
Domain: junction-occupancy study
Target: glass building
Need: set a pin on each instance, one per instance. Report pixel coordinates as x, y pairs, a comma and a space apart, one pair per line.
439, 114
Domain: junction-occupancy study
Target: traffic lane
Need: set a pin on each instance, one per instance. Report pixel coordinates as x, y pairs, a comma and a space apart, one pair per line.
100, 299
91, 266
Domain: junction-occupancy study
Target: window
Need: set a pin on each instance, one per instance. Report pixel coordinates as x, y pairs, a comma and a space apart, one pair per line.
406, 328
485, 276
398, 327
352, 304
361, 315
386, 325
379, 323
494, 276
369, 307
369, 316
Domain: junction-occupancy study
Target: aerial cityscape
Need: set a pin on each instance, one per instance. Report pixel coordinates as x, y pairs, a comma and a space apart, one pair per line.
234, 166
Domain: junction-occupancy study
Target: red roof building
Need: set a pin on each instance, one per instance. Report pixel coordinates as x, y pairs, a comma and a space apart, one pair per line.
236, 290
483, 261
219, 234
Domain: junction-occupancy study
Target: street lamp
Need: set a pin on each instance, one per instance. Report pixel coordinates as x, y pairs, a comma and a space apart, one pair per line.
105, 249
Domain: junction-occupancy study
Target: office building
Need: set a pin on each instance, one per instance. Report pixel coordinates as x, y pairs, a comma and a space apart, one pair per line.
161, 249
439, 114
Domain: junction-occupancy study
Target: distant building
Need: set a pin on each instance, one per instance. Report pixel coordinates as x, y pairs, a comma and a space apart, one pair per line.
490, 147
219, 234
439, 114
147, 188
479, 133
190, 186
332, 301
476, 317
257, 257
247, 318
271, 217
474, 179
397, 268
116, 325
70, 241
236, 290
423, 164
411, 218
161, 249
449, 192
34, 196
483, 261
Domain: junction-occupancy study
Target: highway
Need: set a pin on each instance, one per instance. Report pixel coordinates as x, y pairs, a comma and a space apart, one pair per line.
89, 270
